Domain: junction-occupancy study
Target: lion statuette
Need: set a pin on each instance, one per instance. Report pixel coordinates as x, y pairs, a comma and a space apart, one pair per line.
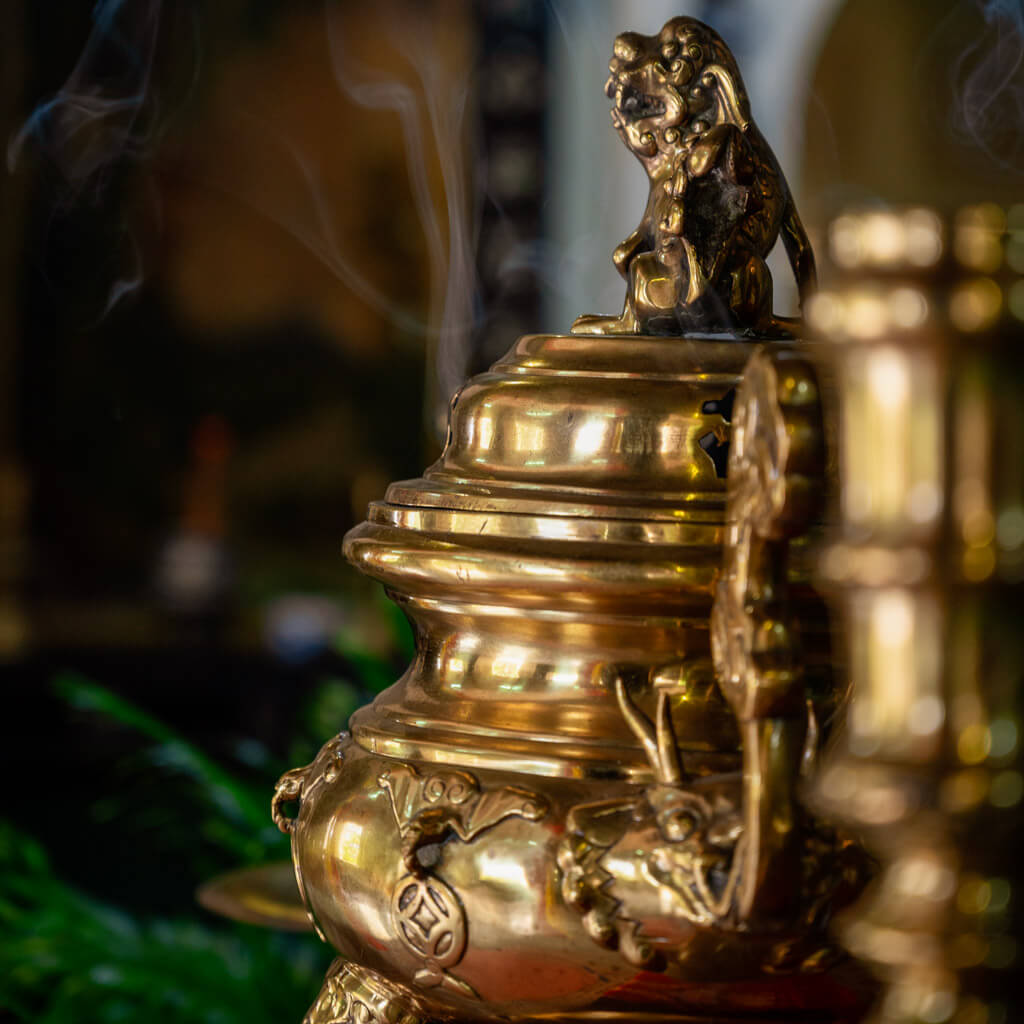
718, 200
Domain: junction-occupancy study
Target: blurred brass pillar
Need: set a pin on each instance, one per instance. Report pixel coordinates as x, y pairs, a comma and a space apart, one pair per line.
925, 328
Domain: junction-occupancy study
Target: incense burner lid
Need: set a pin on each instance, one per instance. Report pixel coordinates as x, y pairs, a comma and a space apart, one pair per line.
591, 427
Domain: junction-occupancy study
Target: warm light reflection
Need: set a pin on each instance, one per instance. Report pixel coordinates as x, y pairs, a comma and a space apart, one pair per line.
924, 237
908, 308
899, 660
924, 877
977, 239
886, 238
554, 529
591, 437
891, 665
350, 843
506, 870
888, 378
564, 677
893, 445
528, 437
508, 666
867, 315
485, 425
975, 305
674, 444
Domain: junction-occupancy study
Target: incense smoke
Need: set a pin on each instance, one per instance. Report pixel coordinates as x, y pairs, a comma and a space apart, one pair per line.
451, 255
989, 103
104, 117
98, 116
108, 115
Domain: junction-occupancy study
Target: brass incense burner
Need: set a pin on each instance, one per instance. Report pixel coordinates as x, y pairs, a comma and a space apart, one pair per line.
581, 799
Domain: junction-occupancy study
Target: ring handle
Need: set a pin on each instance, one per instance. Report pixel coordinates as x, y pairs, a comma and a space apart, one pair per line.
288, 790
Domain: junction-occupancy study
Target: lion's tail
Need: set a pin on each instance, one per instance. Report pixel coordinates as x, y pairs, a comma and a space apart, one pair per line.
798, 248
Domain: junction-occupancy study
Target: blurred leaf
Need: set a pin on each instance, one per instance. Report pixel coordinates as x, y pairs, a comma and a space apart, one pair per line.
405, 641
331, 705
241, 812
68, 959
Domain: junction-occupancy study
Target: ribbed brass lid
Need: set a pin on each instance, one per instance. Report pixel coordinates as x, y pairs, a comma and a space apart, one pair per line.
597, 427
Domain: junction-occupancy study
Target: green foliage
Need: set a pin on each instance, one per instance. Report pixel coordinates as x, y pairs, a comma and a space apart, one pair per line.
234, 816
69, 959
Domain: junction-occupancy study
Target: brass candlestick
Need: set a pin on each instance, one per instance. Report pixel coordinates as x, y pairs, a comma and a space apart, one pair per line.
581, 799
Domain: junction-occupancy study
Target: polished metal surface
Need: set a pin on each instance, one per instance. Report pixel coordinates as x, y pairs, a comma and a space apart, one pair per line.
573, 805
718, 200
925, 325
265, 895
534, 595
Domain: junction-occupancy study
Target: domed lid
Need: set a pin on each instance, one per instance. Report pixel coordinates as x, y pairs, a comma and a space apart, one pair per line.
593, 427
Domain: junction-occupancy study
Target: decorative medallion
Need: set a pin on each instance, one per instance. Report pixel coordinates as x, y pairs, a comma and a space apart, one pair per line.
431, 921
426, 912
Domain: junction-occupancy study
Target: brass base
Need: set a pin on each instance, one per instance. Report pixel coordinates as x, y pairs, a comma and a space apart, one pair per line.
355, 995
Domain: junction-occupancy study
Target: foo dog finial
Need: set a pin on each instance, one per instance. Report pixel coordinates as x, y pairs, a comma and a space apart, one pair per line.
718, 199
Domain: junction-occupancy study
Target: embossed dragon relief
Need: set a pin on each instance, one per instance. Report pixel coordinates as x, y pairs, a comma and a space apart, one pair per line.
728, 855
718, 200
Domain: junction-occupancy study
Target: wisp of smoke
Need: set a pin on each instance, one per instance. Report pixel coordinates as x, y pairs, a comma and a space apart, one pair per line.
452, 263
104, 116
989, 100
96, 117
312, 227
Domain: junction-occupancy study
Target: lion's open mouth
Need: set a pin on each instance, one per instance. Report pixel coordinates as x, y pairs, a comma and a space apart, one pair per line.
635, 105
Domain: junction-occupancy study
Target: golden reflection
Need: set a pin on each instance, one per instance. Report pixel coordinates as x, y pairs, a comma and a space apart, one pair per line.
349, 846
892, 440
509, 665
908, 308
975, 305
528, 437
485, 425
888, 378
923, 876
973, 744
978, 237
900, 679
930, 766
507, 870
565, 676
886, 239
867, 315
591, 437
